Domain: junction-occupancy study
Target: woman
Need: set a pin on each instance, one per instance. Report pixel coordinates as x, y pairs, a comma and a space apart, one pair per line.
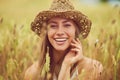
61, 27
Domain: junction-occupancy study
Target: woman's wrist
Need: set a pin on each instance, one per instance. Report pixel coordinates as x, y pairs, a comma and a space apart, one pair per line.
66, 65
64, 72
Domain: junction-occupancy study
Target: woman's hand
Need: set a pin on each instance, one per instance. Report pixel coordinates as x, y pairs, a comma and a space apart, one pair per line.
75, 54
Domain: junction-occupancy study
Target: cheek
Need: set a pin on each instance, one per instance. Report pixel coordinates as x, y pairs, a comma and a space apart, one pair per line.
72, 33
51, 36
71, 36
50, 33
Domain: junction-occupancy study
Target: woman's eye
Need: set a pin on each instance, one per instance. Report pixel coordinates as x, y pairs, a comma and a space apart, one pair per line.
67, 25
53, 26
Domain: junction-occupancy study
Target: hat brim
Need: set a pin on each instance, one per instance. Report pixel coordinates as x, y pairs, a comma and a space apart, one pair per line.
84, 24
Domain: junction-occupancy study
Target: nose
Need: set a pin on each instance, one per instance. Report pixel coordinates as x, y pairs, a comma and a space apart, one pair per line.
60, 31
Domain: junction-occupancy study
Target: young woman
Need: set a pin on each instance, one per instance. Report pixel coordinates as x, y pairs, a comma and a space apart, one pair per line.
61, 27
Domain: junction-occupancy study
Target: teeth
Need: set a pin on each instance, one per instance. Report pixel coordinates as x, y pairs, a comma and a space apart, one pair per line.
60, 39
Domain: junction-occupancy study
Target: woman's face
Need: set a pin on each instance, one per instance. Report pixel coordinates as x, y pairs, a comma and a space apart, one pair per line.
60, 33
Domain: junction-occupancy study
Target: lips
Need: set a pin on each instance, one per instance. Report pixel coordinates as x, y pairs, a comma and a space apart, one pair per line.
60, 41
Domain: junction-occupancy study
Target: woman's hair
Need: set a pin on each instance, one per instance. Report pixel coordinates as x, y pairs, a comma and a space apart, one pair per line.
43, 49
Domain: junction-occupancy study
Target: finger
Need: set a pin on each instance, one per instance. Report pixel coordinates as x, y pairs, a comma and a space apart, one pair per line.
77, 58
76, 45
74, 41
78, 51
75, 50
78, 40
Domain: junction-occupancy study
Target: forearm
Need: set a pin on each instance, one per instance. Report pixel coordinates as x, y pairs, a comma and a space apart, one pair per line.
64, 73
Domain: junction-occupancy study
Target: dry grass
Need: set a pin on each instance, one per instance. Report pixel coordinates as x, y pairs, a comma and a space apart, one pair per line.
19, 46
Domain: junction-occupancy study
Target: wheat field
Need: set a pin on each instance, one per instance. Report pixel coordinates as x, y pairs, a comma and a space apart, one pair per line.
19, 46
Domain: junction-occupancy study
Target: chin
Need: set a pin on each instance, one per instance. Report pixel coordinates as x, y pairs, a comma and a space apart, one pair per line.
61, 48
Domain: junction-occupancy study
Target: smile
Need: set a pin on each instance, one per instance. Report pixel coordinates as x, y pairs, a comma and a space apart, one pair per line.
60, 41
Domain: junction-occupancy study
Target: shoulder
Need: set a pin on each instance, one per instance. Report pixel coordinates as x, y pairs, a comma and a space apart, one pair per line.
32, 71
94, 64
92, 68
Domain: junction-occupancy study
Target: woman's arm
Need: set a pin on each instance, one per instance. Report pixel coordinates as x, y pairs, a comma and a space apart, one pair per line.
91, 69
72, 57
64, 72
32, 72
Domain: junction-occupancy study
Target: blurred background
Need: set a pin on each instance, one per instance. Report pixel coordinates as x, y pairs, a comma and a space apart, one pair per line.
19, 46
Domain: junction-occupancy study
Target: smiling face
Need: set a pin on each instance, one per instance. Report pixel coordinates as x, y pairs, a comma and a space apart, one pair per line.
60, 33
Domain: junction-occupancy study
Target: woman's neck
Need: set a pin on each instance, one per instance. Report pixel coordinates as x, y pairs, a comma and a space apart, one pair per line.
58, 56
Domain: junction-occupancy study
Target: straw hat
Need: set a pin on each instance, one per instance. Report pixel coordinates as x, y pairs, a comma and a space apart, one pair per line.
63, 9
